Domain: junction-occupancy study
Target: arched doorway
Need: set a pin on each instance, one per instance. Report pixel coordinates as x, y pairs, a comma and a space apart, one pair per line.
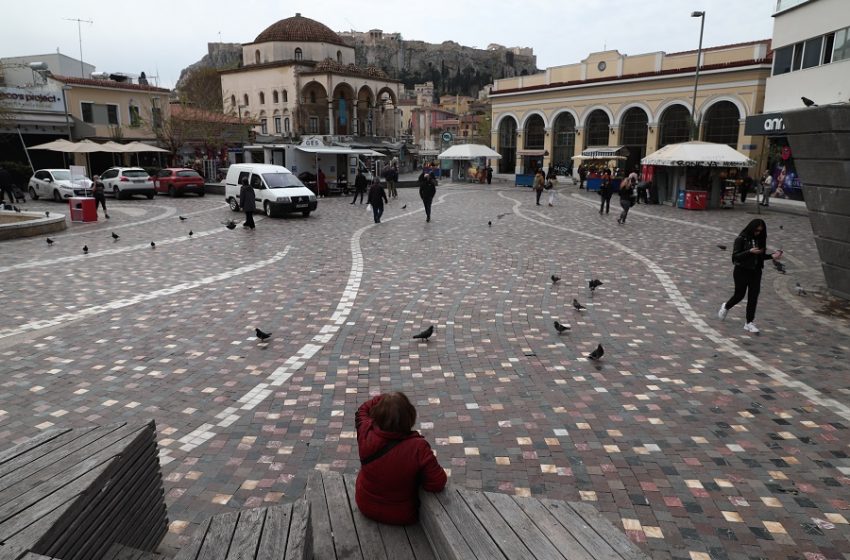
314, 109
674, 125
564, 144
722, 121
343, 106
365, 107
534, 137
596, 128
507, 145
633, 136
387, 116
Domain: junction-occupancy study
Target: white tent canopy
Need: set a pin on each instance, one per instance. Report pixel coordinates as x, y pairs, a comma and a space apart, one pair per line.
698, 154
469, 151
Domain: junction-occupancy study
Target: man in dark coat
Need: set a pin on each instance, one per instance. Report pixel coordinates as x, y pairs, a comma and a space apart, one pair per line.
248, 202
377, 198
427, 191
359, 186
489, 175
6, 186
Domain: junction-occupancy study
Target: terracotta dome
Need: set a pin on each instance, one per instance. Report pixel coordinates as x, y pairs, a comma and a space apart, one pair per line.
299, 29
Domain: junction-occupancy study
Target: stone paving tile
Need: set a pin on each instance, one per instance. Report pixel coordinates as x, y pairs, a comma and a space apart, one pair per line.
677, 438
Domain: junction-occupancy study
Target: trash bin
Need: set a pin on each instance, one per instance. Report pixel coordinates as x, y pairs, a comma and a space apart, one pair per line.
680, 201
83, 209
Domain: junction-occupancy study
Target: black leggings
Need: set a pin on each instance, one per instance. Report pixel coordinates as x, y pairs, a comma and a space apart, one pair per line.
427, 203
101, 200
606, 204
538, 193
747, 282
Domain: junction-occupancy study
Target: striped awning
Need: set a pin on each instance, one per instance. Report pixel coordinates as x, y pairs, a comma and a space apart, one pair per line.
601, 151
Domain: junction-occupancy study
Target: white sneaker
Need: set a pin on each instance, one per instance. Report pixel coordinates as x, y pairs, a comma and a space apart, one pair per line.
751, 327
723, 311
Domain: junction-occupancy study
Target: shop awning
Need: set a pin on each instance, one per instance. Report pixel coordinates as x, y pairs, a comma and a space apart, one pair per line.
698, 154
601, 152
339, 150
469, 151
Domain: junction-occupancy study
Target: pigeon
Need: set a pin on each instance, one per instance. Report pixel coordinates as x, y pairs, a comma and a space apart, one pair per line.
780, 268
230, 225
153, 245
404, 207
596, 354
561, 328
426, 334
781, 227
577, 306
722, 247
115, 236
489, 223
799, 289
86, 249
593, 284
50, 242
555, 279
46, 213
191, 233
262, 335
182, 219
16, 209
808, 102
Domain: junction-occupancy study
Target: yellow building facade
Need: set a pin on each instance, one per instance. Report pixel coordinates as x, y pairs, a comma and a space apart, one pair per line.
633, 105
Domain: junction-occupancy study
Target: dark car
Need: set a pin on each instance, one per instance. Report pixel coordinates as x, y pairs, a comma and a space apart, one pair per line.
177, 181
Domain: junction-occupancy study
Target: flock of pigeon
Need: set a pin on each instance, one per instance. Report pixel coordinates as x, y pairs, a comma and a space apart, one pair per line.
562, 328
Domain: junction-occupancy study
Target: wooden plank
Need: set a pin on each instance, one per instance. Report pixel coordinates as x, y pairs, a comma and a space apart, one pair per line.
219, 536
419, 542
554, 531
371, 541
8, 552
193, 548
344, 535
475, 534
446, 540
323, 546
272, 545
395, 542
523, 527
299, 546
246, 538
26, 447
578, 528
498, 529
613, 536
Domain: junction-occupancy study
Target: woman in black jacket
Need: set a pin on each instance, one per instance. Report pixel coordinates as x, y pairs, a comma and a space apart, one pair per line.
748, 255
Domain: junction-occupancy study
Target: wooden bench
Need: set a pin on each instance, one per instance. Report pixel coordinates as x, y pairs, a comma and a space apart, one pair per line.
275, 533
74, 493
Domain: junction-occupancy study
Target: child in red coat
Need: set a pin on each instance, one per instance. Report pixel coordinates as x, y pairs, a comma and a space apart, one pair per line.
395, 461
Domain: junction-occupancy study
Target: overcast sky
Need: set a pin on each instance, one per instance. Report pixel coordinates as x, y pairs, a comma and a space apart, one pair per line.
163, 37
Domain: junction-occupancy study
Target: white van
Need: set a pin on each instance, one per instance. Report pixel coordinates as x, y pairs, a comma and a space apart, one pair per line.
278, 191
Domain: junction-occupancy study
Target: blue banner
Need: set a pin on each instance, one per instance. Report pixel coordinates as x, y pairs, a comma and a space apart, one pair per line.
343, 117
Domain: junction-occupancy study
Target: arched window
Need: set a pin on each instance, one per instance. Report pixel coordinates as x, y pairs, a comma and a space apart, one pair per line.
722, 121
257, 56
507, 145
675, 125
275, 97
596, 128
565, 139
245, 100
339, 56
534, 133
286, 124
285, 96
233, 101
312, 97
262, 98
299, 54
633, 128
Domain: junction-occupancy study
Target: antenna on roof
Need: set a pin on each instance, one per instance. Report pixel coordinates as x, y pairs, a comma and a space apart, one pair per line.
80, 36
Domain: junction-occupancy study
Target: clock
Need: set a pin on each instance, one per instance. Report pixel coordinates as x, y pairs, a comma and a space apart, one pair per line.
601, 66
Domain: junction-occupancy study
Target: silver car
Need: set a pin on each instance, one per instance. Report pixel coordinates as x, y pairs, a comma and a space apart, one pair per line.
57, 184
122, 182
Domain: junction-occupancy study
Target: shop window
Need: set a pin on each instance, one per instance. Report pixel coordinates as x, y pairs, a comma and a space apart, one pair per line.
277, 125
88, 112
112, 114
262, 98
275, 97
782, 60
264, 126
811, 52
299, 54
841, 45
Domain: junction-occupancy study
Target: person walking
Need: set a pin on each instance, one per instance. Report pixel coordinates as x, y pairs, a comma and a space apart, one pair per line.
395, 461
746, 187
539, 184
98, 191
550, 187
627, 198
391, 176
377, 197
605, 192
489, 175
582, 175
748, 256
766, 186
359, 186
427, 191
321, 183
248, 202
6, 187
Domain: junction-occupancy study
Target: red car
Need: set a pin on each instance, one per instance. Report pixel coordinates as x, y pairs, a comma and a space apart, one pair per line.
178, 181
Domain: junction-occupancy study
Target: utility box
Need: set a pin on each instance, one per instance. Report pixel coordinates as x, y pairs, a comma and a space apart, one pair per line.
83, 209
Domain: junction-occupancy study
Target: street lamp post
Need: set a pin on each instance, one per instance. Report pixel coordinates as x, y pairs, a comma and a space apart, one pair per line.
65, 90
694, 125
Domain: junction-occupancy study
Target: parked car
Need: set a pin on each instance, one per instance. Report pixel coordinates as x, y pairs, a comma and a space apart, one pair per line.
57, 184
278, 191
123, 182
177, 181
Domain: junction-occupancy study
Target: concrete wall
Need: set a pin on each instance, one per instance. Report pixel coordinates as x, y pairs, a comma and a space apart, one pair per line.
123, 99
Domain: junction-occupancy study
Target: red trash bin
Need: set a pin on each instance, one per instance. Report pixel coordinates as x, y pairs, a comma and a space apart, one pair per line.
83, 209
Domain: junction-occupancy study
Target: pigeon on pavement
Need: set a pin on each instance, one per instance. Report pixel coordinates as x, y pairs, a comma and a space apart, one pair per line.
50, 242
262, 335
182, 219
577, 306
560, 327
596, 354
722, 247
46, 213
230, 224
595, 283
85, 249
779, 267
555, 279
191, 233
404, 207
799, 289
426, 334
489, 223
115, 236
153, 245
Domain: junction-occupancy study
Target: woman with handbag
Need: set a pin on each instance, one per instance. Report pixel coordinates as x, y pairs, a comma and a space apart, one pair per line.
394, 460
538, 184
627, 199
550, 186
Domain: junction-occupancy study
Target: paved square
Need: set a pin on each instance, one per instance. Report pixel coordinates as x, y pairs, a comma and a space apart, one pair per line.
698, 439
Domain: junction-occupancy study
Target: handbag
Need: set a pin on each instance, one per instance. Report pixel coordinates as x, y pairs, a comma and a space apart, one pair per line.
380, 453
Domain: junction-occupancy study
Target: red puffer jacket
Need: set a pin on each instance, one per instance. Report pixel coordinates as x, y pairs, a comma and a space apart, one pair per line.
387, 488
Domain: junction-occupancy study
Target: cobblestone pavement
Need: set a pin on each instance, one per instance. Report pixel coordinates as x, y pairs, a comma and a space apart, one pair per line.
697, 438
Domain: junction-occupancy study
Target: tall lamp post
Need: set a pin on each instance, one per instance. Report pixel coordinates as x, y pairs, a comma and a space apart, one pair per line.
65, 90
694, 125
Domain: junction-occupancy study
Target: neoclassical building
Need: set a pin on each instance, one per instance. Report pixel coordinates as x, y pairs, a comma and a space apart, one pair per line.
298, 77
633, 104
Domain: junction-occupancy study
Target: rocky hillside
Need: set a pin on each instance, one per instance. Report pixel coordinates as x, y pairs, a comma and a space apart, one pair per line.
453, 68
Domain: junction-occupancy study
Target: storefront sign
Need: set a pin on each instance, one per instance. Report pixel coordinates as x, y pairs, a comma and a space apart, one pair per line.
766, 124
32, 99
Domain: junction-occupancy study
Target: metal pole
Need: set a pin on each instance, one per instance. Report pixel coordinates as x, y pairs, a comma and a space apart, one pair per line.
694, 125
21, 136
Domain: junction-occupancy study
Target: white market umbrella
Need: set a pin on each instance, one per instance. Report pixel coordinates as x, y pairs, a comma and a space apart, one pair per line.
698, 154
60, 145
469, 151
141, 147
